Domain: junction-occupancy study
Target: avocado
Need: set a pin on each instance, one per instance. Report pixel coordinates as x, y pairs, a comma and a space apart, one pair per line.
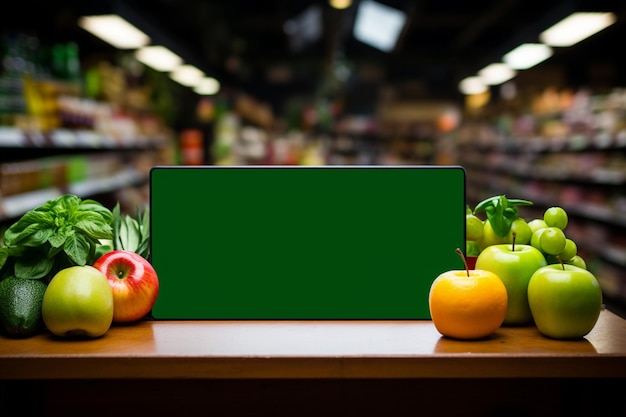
20, 306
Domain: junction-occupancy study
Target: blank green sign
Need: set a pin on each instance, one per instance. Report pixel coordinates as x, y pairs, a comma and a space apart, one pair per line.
303, 242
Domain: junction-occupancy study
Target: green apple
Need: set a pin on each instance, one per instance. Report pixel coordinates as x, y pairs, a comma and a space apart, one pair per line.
78, 303
565, 301
514, 264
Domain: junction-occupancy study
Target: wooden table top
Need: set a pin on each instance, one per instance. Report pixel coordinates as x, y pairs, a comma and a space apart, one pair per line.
314, 349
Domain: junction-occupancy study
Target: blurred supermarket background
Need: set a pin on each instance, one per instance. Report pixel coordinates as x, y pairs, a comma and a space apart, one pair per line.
307, 82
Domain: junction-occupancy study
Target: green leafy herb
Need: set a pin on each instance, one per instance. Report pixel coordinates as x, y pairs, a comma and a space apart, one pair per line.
501, 212
132, 233
62, 232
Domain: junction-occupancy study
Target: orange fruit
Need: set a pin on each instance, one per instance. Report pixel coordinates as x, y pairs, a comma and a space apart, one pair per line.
467, 304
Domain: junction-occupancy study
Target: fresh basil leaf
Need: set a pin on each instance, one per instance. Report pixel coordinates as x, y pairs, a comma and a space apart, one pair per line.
32, 217
47, 207
33, 265
488, 202
511, 212
38, 238
97, 208
58, 239
20, 236
63, 231
518, 202
496, 217
15, 251
66, 206
77, 248
93, 226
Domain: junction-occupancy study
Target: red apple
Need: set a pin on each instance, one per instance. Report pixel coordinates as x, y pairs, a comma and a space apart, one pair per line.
134, 283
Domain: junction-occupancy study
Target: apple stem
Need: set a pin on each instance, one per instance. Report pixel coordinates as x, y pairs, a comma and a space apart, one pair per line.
561, 262
460, 252
513, 244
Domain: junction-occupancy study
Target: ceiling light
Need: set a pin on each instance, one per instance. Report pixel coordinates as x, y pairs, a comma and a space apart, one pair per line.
378, 25
498, 73
306, 28
114, 30
340, 4
159, 58
576, 27
527, 55
472, 85
187, 75
207, 86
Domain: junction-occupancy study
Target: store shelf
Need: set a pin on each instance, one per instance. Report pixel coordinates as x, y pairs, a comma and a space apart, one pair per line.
16, 205
11, 137
586, 175
569, 153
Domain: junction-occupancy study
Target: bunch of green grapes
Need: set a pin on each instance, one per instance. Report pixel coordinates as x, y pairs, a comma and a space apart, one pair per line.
548, 235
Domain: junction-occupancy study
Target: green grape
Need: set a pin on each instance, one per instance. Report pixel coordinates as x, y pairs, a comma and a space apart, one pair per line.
552, 240
534, 238
522, 232
556, 217
569, 251
473, 227
536, 224
578, 261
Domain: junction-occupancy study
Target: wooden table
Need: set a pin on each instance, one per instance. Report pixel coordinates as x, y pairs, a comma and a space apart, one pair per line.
315, 368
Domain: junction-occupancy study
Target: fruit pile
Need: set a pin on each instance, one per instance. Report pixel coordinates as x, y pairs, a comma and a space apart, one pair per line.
503, 224
74, 267
546, 280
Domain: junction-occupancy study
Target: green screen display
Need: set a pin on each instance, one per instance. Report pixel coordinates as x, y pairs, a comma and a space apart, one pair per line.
303, 242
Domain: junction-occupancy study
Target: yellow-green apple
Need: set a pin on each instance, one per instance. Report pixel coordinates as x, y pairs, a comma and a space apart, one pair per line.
565, 301
514, 264
133, 281
78, 302
489, 237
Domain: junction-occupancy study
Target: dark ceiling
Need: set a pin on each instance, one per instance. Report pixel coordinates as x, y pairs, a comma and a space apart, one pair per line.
243, 43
